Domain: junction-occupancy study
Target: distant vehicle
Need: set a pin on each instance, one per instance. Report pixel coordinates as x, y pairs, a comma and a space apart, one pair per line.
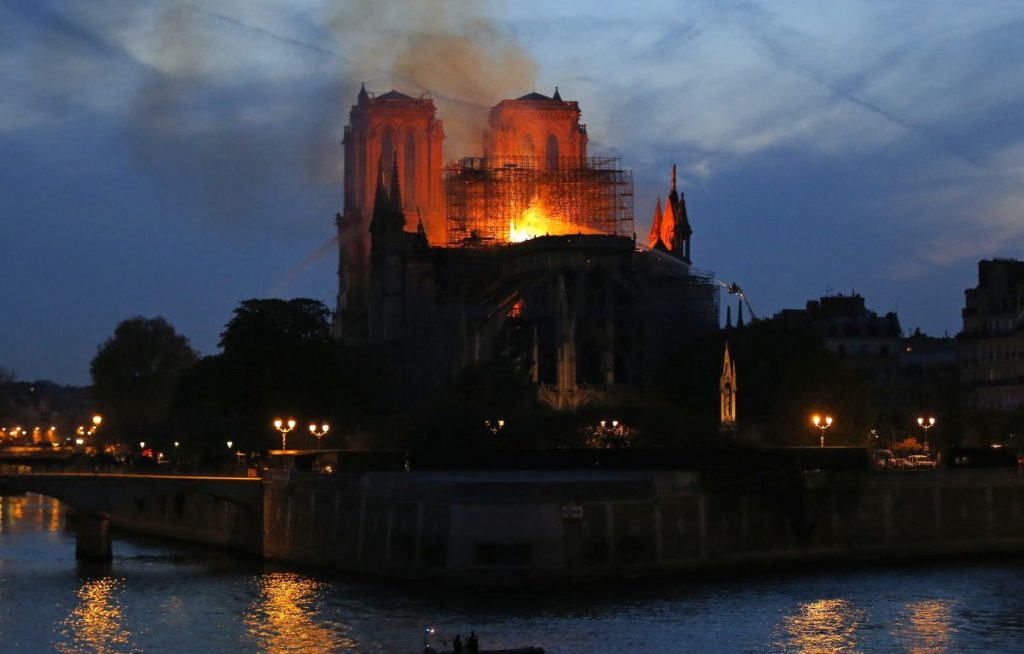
920, 461
899, 462
882, 458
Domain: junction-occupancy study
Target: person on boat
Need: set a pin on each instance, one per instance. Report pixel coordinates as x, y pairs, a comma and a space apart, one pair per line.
472, 645
457, 644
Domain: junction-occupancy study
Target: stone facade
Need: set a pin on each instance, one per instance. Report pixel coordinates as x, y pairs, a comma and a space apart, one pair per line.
992, 340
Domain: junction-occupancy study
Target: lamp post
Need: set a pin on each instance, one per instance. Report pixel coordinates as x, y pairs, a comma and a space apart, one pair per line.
284, 426
926, 424
495, 425
822, 424
319, 432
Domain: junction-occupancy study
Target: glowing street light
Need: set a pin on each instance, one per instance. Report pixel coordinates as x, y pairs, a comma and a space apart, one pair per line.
319, 431
230, 443
926, 424
284, 427
495, 426
822, 424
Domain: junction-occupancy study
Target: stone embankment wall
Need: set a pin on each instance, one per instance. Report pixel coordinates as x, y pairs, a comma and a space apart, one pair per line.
196, 517
521, 528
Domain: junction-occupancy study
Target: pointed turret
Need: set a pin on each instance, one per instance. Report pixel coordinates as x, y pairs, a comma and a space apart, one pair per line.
728, 316
557, 95
380, 200
668, 227
363, 96
654, 238
727, 392
395, 197
683, 232
673, 195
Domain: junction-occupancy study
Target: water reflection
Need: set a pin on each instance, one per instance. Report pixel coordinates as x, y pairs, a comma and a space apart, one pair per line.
283, 617
822, 627
97, 623
926, 626
43, 513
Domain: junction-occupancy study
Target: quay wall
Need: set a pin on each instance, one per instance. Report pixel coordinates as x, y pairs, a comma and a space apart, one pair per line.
524, 528
204, 518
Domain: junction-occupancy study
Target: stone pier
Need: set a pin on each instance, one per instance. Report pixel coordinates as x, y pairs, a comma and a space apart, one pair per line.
93, 537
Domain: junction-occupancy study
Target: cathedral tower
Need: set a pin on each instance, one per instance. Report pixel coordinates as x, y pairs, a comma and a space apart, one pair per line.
547, 129
405, 134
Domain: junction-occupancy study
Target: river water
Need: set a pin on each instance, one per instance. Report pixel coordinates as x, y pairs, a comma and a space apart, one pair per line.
158, 597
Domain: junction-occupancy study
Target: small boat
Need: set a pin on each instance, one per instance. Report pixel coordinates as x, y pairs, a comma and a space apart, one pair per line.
429, 636
515, 650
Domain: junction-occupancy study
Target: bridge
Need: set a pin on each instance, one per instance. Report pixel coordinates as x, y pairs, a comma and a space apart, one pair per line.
96, 497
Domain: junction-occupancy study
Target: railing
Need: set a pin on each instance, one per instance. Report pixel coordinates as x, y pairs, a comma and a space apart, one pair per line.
162, 470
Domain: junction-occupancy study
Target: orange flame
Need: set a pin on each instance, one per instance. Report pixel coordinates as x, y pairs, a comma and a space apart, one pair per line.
536, 221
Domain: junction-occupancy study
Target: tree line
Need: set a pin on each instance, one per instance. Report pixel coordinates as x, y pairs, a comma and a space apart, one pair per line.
278, 358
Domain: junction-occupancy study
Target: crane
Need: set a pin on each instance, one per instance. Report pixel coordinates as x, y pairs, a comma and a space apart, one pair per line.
734, 289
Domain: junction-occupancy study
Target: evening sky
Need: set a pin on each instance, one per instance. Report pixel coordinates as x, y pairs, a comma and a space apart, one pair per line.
175, 158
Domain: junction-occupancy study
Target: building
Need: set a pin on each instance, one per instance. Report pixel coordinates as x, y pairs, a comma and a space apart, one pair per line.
392, 127
537, 259
992, 340
868, 342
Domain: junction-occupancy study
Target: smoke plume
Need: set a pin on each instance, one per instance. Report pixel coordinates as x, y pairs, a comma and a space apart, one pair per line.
448, 49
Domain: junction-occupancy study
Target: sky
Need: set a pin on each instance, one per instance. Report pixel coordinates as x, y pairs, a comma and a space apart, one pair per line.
175, 158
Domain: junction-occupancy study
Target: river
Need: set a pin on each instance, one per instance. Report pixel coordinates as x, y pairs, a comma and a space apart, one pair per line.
161, 597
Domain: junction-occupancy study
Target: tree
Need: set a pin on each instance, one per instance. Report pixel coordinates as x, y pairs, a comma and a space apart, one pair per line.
273, 326
6, 392
278, 360
134, 376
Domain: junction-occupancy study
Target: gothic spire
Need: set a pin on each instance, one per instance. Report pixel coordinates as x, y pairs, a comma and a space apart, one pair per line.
380, 195
395, 196
655, 236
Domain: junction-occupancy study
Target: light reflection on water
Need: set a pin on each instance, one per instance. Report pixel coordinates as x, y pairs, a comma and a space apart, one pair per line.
822, 626
97, 623
926, 626
283, 617
156, 597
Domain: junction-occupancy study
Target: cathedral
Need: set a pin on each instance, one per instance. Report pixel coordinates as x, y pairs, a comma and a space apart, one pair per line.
526, 250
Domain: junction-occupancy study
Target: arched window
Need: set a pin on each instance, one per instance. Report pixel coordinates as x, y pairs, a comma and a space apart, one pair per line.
528, 149
387, 153
552, 153
409, 174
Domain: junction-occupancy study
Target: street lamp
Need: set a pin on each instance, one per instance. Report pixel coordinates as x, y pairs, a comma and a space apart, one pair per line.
319, 432
230, 443
495, 426
284, 427
926, 424
822, 424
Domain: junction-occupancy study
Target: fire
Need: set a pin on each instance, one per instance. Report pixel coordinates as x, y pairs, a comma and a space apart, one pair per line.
536, 221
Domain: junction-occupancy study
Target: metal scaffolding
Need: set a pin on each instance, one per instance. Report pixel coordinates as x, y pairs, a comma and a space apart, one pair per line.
486, 195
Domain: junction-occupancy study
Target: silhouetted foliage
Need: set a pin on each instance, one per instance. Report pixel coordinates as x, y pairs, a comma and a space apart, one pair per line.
279, 360
784, 375
6, 392
134, 376
497, 390
275, 327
